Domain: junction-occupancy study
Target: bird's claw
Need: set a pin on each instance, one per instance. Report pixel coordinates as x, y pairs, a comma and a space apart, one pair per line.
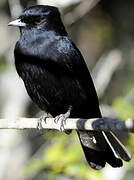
39, 123
62, 118
57, 118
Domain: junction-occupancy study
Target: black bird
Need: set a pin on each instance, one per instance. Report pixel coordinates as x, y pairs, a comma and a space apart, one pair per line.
58, 81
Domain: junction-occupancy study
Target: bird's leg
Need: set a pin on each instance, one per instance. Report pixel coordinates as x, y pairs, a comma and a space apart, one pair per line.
62, 118
42, 118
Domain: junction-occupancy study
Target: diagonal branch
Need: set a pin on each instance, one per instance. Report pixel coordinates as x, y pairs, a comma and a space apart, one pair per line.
81, 10
98, 124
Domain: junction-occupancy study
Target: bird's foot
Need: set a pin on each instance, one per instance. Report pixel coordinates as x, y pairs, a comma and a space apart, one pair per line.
39, 123
62, 118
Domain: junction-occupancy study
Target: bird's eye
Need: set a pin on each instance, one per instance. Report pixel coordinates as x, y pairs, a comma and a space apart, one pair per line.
38, 21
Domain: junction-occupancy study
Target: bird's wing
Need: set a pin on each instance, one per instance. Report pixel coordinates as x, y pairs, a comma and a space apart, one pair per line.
71, 58
68, 61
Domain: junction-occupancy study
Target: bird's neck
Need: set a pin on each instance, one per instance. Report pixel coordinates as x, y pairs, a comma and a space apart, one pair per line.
34, 34
31, 42
59, 29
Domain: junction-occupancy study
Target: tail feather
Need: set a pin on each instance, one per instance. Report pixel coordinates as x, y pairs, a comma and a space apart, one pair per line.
118, 146
110, 145
94, 158
102, 147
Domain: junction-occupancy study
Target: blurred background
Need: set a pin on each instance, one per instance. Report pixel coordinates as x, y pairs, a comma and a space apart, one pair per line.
104, 32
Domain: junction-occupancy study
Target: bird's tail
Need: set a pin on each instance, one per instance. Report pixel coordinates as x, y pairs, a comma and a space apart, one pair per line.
102, 147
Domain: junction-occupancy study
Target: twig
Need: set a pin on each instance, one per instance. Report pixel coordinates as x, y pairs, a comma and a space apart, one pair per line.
15, 7
81, 10
103, 71
98, 124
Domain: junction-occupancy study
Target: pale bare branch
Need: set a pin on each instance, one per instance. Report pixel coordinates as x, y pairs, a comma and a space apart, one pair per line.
98, 124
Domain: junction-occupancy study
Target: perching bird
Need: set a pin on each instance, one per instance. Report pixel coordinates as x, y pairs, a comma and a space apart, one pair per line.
58, 81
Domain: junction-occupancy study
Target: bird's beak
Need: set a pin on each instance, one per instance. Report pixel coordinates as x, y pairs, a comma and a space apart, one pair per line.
17, 23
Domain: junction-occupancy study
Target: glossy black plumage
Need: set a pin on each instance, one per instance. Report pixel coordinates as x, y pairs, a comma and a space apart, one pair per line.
56, 77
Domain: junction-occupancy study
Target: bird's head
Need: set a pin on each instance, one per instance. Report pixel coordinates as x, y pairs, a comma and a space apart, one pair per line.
40, 17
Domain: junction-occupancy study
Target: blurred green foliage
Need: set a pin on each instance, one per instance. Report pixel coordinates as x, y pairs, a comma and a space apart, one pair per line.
124, 109
63, 156
104, 33
2, 64
124, 106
